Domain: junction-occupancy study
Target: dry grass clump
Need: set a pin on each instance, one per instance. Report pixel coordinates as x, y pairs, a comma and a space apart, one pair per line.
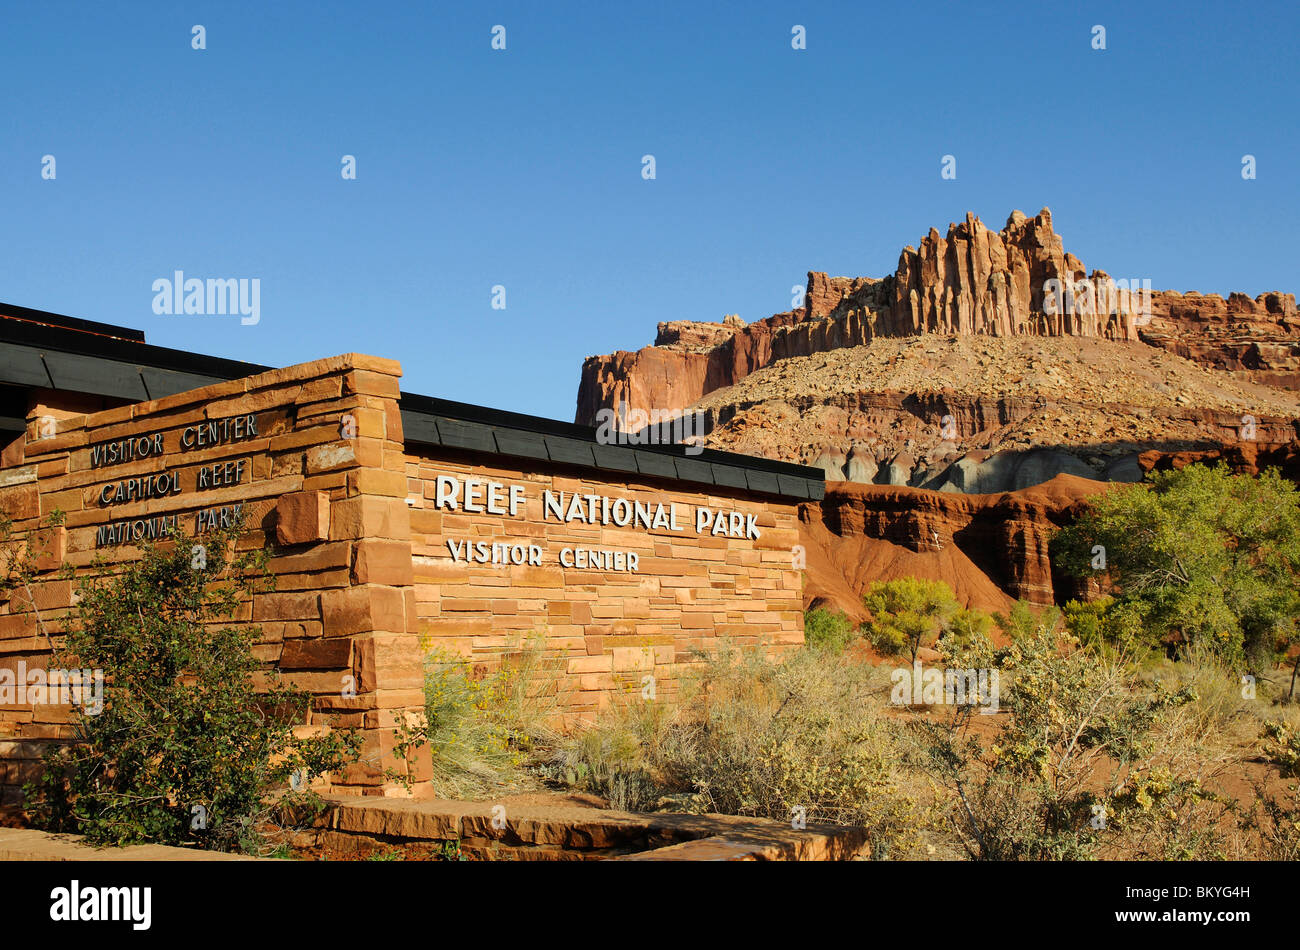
483, 727
805, 738
1097, 754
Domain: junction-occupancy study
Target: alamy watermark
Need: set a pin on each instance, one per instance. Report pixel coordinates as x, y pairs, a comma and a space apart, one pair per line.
1099, 296
951, 687
212, 297
57, 687
621, 426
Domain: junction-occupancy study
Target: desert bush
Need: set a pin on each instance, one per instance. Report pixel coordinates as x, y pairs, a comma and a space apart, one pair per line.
1218, 722
907, 613
1072, 773
1276, 820
827, 629
761, 738
481, 727
186, 749
1281, 746
634, 755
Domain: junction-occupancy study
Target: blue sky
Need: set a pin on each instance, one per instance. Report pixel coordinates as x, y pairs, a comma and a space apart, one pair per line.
522, 167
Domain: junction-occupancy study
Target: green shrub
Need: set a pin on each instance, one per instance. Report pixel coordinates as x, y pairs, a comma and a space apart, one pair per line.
827, 629
1076, 771
965, 629
1101, 622
1197, 556
1025, 621
186, 749
907, 614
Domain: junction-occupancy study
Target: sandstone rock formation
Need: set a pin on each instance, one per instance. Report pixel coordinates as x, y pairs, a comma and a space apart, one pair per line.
972, 281
962, 371
991, 549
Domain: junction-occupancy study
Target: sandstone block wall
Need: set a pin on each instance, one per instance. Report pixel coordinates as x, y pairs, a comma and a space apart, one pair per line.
314, 456
604, 629
315, 460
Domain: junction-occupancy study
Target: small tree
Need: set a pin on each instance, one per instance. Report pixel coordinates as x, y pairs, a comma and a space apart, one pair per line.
1198, 557
908, 613
185, 750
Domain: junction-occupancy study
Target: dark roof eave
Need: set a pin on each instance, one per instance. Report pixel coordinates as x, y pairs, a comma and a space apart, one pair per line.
429, 420
443, 422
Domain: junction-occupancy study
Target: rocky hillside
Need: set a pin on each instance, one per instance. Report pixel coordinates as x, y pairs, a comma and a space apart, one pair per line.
991, 549
962, 371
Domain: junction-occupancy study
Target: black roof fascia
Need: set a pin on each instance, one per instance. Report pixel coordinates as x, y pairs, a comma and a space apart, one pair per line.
65, 340
72, 323
426, 419
524, 436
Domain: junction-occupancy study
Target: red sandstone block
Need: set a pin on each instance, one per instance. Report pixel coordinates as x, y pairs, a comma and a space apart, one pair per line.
51, 548
536, 577
326, 654
393, 422
61, 443
13, 626
590, 664
44, 596
372, 383
333, 483
369, 516
395, 661
288, 606
301, 438
468, 627
52, 467
374, 481
370, 423
412, 611
13, 453
633, 658
593, 681
466, 605
331, 457
20, 502
320, 557
354, 610
383, 562
302, 517
425, 521
436, 572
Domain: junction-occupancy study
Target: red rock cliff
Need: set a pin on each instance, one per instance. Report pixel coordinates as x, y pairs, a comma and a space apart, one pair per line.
970, 281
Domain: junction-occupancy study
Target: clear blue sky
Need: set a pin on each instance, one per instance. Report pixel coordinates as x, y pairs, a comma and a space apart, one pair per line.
523, 168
